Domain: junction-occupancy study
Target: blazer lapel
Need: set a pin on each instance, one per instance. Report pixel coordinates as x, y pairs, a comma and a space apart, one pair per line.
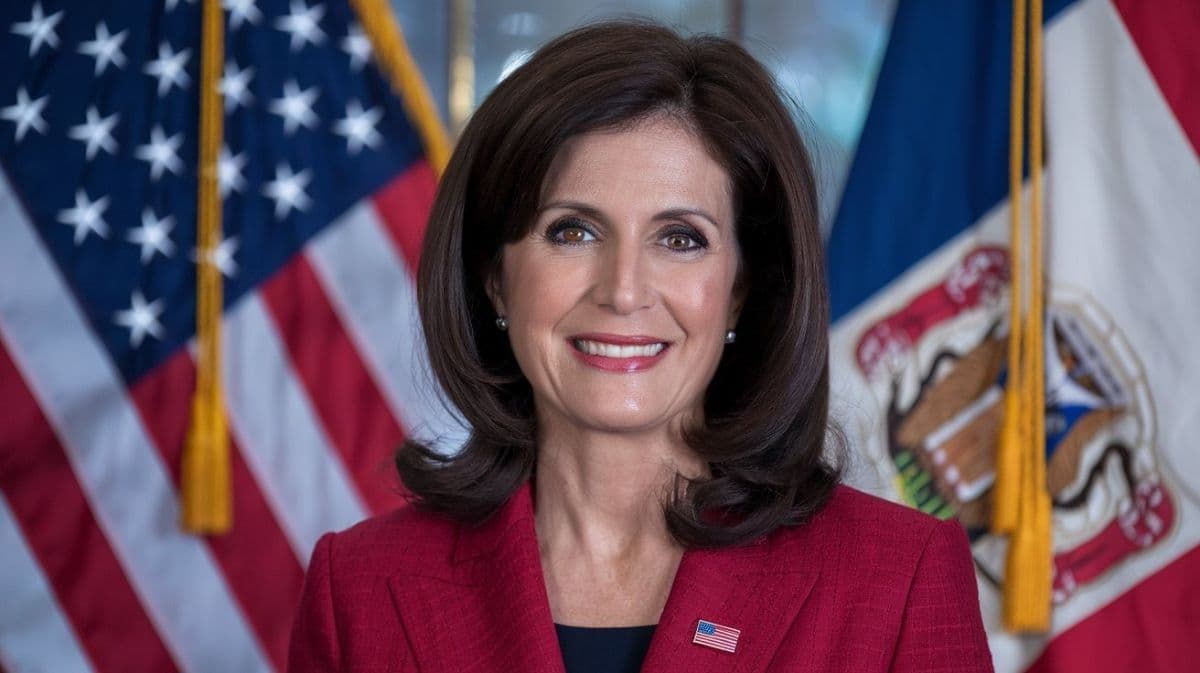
487, 609
757, 589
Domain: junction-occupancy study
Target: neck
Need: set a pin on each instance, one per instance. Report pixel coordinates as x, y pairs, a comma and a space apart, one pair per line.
607, 557
600, 495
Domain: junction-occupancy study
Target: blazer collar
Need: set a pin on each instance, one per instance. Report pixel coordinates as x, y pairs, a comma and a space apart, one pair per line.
489, 598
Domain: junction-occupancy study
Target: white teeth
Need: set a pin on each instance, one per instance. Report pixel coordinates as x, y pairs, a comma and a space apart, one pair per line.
614, 351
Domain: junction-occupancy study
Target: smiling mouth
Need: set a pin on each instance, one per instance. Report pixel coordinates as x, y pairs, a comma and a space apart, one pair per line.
618, 351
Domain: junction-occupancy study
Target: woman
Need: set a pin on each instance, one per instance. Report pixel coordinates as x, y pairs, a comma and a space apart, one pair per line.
622, 292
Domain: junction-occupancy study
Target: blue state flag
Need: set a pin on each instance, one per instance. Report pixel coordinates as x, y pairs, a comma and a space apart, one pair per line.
919, 264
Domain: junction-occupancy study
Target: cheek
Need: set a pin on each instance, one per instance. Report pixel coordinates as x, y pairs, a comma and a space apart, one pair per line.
706, 297
535, 288
538, 293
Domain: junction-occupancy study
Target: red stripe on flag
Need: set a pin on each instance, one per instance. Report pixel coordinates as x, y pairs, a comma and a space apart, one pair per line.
46, 498
255, 557
403, 205
1151, 627
347, 399
1166, 35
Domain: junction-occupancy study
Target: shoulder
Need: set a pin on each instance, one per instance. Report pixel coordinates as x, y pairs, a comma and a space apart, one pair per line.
892, 589
389, 543
862, 533
851, 511
346, 611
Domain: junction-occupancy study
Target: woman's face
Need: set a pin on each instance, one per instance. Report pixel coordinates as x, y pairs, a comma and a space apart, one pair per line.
619, 297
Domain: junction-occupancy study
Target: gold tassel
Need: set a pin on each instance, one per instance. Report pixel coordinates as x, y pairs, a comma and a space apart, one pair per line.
391, 53
206, 490
1025, 510
1012, 432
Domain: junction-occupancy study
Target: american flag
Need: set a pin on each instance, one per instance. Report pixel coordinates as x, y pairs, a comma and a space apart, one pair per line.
716, 636
325, 190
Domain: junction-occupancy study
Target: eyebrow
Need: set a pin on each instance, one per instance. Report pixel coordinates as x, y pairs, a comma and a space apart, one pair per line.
595, 213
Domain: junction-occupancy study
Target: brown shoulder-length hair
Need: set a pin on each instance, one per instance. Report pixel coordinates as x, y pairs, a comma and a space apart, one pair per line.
766, 409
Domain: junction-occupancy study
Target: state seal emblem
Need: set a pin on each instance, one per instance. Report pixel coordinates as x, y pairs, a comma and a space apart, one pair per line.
937, 367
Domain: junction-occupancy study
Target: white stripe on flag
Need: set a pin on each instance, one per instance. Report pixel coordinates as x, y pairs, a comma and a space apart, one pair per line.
283, 443
372, 290
111, 453
34, 634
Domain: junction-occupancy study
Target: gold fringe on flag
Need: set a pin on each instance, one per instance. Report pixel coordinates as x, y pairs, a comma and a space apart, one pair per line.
207, 493
393, 57
1020, 498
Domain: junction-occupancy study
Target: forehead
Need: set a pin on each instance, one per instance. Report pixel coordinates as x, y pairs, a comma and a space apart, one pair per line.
657, 163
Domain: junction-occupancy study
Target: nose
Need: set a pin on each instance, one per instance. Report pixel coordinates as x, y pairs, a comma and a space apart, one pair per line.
622, 282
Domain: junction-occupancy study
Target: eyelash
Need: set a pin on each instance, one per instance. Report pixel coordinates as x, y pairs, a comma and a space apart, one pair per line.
699, 242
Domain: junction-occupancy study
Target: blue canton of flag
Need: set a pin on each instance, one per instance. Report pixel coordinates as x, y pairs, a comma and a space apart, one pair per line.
325, 189
102, 149
716, 636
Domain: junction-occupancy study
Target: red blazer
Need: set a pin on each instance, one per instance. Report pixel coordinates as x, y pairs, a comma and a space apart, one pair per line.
866, 585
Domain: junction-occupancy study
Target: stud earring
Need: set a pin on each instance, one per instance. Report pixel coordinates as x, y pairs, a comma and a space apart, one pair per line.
502, 324
730, 336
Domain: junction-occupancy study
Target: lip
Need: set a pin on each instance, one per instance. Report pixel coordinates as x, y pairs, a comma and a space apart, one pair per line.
621, 365
619, 339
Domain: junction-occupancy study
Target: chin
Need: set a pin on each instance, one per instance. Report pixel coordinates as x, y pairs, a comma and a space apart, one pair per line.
622, 420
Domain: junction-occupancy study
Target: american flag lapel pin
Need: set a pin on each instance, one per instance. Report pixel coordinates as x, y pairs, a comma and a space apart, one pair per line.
714, 635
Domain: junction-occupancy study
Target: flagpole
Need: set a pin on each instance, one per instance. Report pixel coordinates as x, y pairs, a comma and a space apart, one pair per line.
462, 63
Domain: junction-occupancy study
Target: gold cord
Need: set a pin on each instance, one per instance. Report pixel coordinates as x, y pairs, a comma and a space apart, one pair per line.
1021, 499
391, 52
207, 498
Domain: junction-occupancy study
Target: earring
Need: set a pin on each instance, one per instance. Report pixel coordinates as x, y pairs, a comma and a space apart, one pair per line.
730, 336
502, 324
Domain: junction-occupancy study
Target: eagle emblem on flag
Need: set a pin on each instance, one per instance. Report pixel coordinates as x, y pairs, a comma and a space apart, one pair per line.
937, 365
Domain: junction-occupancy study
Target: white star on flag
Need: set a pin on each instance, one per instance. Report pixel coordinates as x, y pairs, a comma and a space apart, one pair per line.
160, 152
222, 257
301, 24
229, 171
357, 46
168, 68
86, 216
287, 191
171, 4
241, 11
105, 48
96, 132
39, 28
141, 318
153, 236
296, 107
235, 86
26, 113
358, 127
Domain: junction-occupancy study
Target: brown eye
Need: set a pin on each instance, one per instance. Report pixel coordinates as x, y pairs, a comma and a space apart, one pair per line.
573, 235
679, 241
570, 231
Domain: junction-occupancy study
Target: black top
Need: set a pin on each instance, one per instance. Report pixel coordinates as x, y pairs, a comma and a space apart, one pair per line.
603, 649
